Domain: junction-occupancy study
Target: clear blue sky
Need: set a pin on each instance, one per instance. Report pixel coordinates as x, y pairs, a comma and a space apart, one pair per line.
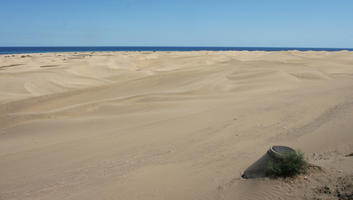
277, 23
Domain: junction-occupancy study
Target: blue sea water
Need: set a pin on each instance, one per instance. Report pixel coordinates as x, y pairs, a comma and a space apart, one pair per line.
21, 50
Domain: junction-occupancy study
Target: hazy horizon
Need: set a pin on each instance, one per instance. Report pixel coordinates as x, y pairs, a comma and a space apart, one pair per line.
290, 47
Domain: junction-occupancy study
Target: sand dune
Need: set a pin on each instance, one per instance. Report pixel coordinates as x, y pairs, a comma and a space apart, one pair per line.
170, 125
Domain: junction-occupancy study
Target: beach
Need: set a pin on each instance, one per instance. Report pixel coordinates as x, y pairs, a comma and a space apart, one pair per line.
170, 125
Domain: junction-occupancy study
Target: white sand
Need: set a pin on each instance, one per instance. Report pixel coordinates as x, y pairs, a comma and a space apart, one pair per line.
168, 125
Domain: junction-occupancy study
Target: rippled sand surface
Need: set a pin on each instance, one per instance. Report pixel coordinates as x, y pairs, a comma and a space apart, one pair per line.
169, 125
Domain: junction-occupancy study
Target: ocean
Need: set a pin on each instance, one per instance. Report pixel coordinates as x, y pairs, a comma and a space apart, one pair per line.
22, 50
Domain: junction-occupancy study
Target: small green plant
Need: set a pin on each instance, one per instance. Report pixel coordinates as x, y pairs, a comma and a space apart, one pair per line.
288, 165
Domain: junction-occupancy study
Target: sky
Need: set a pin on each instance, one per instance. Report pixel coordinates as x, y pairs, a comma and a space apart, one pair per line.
234, 23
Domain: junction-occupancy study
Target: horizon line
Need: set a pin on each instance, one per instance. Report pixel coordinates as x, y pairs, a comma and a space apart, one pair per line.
182, 46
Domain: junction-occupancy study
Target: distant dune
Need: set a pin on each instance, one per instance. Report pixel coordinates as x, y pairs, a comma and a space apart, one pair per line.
171, 125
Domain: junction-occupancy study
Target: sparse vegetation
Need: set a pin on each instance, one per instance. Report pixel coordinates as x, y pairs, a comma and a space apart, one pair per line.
289, 165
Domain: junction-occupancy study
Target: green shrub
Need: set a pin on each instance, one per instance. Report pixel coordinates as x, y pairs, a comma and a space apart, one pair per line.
289, 165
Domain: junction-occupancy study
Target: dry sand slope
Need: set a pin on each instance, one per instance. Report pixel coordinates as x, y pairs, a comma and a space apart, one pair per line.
169, 125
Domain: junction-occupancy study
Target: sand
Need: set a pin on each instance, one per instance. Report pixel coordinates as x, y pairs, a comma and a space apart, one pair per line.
171, 125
